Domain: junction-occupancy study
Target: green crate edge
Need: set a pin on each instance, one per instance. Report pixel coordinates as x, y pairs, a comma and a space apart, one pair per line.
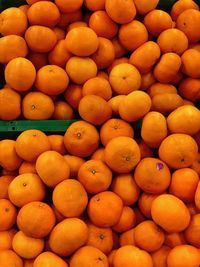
10, 129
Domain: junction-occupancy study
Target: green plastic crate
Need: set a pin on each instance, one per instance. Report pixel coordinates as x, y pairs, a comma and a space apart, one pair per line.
11, 129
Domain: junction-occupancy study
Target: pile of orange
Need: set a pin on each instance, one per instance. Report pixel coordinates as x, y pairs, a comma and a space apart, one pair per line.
105, 194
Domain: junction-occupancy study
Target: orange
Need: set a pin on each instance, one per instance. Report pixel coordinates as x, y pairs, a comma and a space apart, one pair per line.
57, 143
127, 238
50, 259
156, 21
9, 110
184, 150
88, 255
63, 111
149, 236
8, 214
126, 188
27, 167
9, 159
13, 21
70, 6
52, 168
145, 150
81, 69
37, 106
73, 193
166, 102
31, 143
144, 6
148, 80
20, 74
188, 22
81, 41
6, 238
126, 221
59, 54
81, 139
94, 109
5, 180
161, 88
167, 67
51, 80
27, 247
145, 56
122, 154
105, 202
190, 67
183, 255
60, 33
135, 106
101, 238
132, 256
125, 78
74, 164
40, 38
103, 25
111, 257
115, 103
152, 175
189, 89
154, 129
32, 215
73, 95
116, 62
185, 119
134, 30
76, 24
98, 5
97, 86
192, 232
105, 53
145, 202
118, 47
26, 188
159, 257
114, 9
173, 40
67, 236
99, 154
24, 8
44, 13
10, 258
184, 184
174, 239
95, 176
6, 51
175, 217
180, 6
115, 128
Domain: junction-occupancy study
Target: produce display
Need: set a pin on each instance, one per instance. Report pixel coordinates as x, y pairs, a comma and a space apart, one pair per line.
120, 188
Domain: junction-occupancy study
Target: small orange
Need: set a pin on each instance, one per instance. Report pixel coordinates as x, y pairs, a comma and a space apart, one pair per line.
94, 6
5, 180
192, 232
76, 24
126, 188
8, 214
101, 238
159, 257
145, 202
63, 111
9, 159
135, 106
127, 238
105, 202
149, 236
174, 219
26, 188
10, 258
185, 255
180, 6
99, 154
144, 6
184, 150
191, 67
148, 80
174, 239
49, 258
6, 238
122, 154
161, 88
57, 143
134, 30
152, 175
70, 6
74, 164
27, 167
60, 33
126, 221
115, 104
125, 78
82, 41
81, 69
73, 95
52, 168
189, 89
59, 55
115, 128
95, 176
